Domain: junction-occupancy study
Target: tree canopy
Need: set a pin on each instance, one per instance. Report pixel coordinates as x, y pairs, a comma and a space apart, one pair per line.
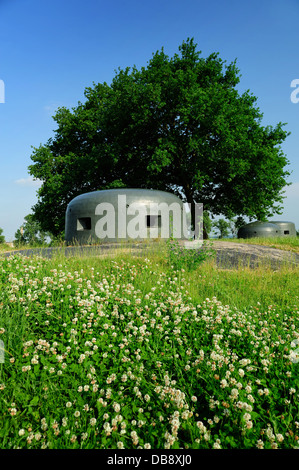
30, 233
180, 125
2, 237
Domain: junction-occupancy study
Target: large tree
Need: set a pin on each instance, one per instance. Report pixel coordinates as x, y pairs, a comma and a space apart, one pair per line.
179, 124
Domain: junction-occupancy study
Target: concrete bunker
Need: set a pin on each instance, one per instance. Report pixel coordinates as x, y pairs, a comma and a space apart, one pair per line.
267, 229
125, 214
286, 228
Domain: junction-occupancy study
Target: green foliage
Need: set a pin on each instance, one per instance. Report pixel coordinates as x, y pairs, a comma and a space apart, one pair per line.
223, 226
180, 257
31, 233
207, 223
179, 124
2, 237
236, 224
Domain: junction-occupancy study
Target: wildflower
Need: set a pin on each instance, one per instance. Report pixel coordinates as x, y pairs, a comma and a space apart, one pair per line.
81, 358
234, 393
269, 433
223, 383
30, 437
201, 426
260, 444
216, 444
116, 407
107, 428
44, 425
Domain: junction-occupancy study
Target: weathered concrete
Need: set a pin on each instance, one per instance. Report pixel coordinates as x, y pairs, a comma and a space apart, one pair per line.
228, 255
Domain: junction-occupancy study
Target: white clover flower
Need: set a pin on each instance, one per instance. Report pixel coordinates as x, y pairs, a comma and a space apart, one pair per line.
294, 356
294, 343
223, 383
217, 444
260, 444
116, 407
250, 398
279, 437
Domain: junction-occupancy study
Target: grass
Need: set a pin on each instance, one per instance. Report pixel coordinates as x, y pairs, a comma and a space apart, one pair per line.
133, 352
283, 243
5, 247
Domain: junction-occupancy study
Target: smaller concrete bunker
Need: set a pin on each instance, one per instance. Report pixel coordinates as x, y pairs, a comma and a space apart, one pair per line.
286, 228
267, 229
124, 214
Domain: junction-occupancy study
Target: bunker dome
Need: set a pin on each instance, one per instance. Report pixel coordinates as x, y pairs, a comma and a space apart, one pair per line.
123, 214
258, 229
286, 228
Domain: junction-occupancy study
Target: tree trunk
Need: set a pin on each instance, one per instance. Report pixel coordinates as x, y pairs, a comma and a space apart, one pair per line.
204, 233
190, 200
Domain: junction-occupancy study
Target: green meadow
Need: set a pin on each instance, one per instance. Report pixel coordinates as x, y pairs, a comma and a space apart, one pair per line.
151, 350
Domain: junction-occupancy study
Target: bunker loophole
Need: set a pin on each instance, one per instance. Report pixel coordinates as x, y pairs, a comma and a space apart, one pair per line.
84, 223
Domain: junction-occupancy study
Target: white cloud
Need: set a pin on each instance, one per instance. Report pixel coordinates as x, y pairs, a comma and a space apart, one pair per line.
29, 182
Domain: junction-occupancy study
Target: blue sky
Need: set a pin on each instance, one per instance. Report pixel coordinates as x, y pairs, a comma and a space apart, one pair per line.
51, 51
